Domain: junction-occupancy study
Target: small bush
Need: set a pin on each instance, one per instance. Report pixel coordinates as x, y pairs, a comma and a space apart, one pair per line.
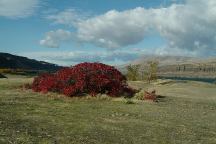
89, 78
145, 95
129, 101
140, 95
150, 95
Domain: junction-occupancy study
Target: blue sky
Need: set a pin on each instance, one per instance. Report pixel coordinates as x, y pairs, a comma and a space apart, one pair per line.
110, 31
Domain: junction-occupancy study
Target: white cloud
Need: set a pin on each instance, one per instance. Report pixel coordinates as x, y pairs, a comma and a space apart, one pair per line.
115, 29
182, 25
68, 17
190, 26
187, 27
54, 38
17, 8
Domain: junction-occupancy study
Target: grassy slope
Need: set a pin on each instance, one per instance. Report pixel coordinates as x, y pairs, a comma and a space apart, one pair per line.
186, 115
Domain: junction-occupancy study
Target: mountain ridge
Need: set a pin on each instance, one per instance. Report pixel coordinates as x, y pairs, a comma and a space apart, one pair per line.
10, 61
177, 66
173, 60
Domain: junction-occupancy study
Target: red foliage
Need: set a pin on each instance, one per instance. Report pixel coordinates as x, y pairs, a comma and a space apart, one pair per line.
90, 78
150, 95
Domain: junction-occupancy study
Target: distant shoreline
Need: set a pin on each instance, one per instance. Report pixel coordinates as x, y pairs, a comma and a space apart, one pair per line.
201, 79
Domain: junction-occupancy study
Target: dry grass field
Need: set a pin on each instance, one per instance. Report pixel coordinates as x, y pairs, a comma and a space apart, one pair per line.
185, 115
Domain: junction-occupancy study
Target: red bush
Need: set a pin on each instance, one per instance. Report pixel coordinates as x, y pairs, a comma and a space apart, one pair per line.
150, 95
90, 78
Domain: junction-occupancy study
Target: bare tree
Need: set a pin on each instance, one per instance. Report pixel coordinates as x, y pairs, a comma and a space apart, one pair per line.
152, 71
133, 72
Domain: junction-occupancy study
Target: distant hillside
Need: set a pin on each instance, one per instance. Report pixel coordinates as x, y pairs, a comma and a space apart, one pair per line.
165, 60
2, 76
9, 61
179, 66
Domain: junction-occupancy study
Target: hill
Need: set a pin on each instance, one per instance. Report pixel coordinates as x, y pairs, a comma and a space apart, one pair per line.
180, 66
165, 60
9, 61
2, 76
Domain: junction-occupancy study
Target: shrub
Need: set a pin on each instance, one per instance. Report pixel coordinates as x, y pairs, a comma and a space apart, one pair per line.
145, 95
140, 95
150, 95
90, 78
129, 101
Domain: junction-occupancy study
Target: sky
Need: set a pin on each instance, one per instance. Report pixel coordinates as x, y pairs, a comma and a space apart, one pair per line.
67, 32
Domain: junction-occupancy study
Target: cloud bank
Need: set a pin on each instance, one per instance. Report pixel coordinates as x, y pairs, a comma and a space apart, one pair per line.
189, 26
74, 57
17, 8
